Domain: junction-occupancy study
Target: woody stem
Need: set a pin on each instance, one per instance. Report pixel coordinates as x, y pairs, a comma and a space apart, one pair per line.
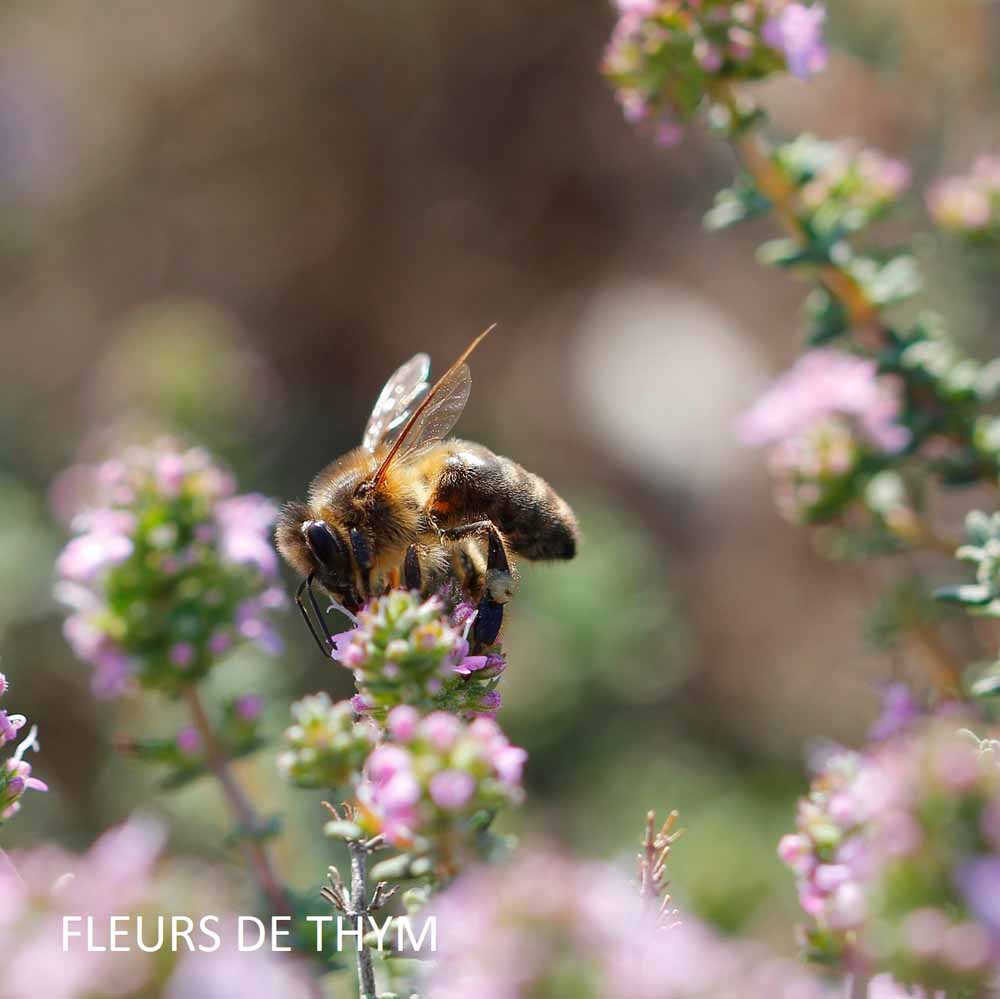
359, 905
258, 858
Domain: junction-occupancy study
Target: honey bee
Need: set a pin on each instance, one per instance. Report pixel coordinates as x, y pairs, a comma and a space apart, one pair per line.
408, 507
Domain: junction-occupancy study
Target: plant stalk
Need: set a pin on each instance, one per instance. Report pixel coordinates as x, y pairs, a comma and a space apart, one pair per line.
243, 811
359, 905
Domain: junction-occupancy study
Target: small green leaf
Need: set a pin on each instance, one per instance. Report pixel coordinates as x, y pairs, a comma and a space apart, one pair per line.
393, 868
736, 204
788, 253
828, 319
342, 829
986, 686
975, 594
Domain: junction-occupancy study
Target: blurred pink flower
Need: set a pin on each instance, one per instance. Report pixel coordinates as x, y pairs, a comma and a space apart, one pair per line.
402, 722
550, 921
797, 31
960, 203
229, 973
188, 740
452, 788
822, 384
244, 524
249, 707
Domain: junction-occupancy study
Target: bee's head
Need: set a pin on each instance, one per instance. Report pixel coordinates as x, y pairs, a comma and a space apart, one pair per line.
314, 547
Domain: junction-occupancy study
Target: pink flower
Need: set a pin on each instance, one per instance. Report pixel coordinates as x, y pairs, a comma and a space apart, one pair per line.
182, 654
979, 882
923, 930
220, 642
9, 726
798, 33
170, 473
385, 761
188, 740
829, 877
796, 852
245, 526
398, 795
361, 704
509, 763
451, 789
822, 384
249, 707
470, 664
441, 730
847, 908
402, 722
959, 203
85, 557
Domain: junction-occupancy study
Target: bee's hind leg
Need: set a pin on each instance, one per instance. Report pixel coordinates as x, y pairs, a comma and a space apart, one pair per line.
412, 575
499, 580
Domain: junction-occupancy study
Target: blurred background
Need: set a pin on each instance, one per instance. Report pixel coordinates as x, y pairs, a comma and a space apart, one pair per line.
234, 220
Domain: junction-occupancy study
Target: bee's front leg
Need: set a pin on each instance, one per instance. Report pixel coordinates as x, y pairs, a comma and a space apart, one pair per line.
499, 579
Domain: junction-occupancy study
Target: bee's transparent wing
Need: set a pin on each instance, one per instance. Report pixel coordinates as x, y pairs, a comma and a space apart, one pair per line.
436, 420
396, 403
436, 413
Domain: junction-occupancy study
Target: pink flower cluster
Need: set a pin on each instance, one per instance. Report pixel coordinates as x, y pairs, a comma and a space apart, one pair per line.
797, 31
664, 54
842, 186
168, 568
827, 849
407, 650
819, 419
432, 774
121, 875
15, 772
544, 925
968, 204
897, 857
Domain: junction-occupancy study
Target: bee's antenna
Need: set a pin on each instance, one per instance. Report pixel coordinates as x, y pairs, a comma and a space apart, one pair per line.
306, 585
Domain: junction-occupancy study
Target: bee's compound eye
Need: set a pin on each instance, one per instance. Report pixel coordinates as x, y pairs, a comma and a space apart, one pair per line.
323, 543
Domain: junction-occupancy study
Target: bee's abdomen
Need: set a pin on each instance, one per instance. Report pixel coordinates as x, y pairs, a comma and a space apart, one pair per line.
535, 521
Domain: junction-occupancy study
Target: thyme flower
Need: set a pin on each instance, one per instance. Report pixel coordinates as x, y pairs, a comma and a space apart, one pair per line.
664, 56
405, 650
167, 571
326, 745
430, 778
897, 857
15, 771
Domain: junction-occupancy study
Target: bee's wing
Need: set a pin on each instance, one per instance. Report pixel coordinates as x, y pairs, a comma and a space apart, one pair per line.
396, 402
436, 419
436, 413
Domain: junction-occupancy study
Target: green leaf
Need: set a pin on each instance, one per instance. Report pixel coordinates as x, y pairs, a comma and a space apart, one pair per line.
986, 686
787, 253
342, 829
398, 868
828, 319
179, 778
736, 204
890, 282
975, 594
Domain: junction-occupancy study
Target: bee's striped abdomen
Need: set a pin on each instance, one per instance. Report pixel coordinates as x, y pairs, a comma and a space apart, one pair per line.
534, 520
